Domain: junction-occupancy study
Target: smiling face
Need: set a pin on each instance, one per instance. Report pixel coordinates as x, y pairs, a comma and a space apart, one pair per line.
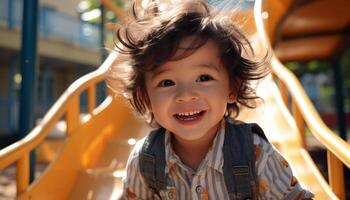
189, 96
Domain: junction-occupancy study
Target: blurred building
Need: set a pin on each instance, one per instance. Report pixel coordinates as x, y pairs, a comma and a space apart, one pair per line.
67, 48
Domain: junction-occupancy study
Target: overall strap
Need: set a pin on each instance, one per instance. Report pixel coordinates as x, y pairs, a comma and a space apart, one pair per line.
152, 160
256, 129
239, 161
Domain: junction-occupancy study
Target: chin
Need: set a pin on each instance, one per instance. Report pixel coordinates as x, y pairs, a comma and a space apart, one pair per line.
189, 135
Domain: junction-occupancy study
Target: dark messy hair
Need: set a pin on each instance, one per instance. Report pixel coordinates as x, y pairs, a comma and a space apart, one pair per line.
152, 38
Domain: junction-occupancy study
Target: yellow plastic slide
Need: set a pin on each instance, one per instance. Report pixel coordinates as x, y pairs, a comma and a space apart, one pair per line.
94, 171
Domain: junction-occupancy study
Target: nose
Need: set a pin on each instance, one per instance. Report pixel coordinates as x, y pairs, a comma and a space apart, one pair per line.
186, 93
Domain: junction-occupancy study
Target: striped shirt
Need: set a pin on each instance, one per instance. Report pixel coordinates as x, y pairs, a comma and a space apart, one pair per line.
276, 180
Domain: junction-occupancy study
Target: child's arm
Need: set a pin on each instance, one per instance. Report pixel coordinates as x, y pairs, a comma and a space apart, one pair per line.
134, 186
276, 180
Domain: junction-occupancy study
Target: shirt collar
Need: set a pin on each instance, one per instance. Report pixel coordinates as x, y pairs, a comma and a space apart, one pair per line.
213, 159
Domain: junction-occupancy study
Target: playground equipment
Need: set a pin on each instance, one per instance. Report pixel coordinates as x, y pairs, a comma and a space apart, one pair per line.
90, 161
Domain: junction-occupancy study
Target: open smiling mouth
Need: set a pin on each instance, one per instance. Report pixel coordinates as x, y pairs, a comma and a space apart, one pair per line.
189, 116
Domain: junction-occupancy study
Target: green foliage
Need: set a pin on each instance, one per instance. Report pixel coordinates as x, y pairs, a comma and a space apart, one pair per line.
314, 67
95, 4
345, 63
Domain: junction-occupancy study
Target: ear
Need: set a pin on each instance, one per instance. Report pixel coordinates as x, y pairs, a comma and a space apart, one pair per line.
231, 98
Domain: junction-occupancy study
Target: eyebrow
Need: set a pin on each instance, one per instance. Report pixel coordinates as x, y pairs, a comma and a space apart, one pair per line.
210, 66
157, 72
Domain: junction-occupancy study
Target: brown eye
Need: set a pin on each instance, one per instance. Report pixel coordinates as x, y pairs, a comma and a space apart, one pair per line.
204, 78
166, 83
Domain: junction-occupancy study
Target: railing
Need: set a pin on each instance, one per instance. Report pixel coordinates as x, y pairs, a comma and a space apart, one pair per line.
304, 113
66, 106
53, 24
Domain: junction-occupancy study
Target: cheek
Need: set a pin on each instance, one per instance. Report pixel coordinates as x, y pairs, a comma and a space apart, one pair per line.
158, 100
217, 91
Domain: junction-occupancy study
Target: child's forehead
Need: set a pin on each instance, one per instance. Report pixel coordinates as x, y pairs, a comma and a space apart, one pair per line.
195, 45
171, 66
189, 41
195, 42
207, 56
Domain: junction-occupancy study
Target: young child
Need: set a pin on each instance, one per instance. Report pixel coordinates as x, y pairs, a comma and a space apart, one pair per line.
186, 74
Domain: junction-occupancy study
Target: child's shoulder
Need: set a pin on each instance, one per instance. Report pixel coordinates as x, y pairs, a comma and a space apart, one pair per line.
135, 152
261, 144
263, 149
258, 135
138, 148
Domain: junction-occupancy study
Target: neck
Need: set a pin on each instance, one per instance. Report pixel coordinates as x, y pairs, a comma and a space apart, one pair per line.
192, 153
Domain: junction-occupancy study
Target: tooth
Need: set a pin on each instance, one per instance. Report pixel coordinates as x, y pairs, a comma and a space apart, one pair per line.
191, 113
186, 113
